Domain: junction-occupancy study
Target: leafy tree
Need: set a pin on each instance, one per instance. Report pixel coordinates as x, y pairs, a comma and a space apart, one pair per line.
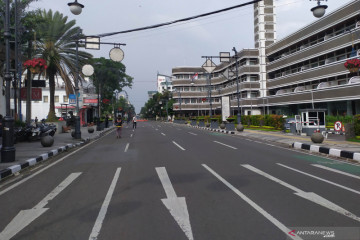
109, 76
56, 44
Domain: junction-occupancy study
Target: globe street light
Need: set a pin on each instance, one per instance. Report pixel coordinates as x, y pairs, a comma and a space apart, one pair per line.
75, 7
319, 10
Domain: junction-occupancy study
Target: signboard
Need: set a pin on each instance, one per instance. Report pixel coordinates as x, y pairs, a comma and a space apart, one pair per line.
36, 94
209, 66
338, 126
86, 100
36, 83
92, 43
72, 99
225, 107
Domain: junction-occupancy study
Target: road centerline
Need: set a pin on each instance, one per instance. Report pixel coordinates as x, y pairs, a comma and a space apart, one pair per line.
127, 147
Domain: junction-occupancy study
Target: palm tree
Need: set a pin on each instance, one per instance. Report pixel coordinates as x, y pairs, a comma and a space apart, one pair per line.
56, 44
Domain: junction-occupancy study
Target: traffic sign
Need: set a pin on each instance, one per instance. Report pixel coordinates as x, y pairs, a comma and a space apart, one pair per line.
337, 126
209, 66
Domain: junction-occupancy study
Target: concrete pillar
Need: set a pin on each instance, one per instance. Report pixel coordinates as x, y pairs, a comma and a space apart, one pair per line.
330, 108
349, 111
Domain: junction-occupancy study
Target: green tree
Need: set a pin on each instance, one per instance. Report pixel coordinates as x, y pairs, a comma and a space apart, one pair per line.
56, 42
109, 76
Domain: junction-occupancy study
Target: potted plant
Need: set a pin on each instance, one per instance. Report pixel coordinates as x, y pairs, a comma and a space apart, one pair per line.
35, 65
352, 65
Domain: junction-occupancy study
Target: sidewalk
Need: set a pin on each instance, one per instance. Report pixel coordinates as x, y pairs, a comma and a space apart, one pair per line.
335, 145
30, 153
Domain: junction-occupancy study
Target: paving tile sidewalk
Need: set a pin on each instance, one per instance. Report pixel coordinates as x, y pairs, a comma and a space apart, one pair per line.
29, 153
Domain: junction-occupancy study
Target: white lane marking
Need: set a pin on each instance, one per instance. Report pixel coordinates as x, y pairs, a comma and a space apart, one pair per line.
179, 129
273, 220
307, 195
131, 135
225, 145
163, 134
156, 129
25, 217
49, 166
270, 145
337, 171
176, 205
178, 146
127, 147
159, 126
99, 220
193, 133
318, 178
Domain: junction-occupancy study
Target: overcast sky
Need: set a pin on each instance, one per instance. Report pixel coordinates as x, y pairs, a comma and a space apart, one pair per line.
159, 50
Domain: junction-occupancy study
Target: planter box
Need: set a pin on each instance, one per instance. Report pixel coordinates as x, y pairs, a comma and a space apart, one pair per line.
59, 126
214, 124
201, 124
230, 126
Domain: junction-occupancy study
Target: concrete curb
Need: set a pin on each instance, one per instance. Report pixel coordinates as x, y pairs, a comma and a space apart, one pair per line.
330, 151
214, 130
43, 157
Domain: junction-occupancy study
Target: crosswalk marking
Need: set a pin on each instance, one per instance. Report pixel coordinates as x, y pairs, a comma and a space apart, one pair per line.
273, 220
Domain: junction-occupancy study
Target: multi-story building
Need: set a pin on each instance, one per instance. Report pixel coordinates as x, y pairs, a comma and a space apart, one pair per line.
303, 70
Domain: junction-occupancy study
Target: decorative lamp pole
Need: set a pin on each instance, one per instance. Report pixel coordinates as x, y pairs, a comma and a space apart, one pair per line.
8, 149
237, 86
77, 117
75, 7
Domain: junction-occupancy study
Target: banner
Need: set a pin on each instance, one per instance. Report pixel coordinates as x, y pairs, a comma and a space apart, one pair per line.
36, 94
225, 107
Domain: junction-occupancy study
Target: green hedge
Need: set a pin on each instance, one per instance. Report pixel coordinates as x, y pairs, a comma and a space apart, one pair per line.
275, 121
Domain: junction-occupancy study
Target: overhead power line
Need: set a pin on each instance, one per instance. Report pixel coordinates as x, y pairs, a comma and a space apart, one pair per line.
179, 20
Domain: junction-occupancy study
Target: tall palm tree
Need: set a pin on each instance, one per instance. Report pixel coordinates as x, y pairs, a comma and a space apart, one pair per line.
56, 43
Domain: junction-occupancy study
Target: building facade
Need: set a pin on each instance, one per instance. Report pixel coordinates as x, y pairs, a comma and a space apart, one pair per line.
303, 70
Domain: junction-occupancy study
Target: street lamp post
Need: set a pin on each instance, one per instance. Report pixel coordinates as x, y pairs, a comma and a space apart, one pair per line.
77, 117
8, 149
237, 86
209, 83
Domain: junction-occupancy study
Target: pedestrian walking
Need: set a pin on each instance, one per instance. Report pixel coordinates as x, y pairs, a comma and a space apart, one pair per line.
134, 122
118, 124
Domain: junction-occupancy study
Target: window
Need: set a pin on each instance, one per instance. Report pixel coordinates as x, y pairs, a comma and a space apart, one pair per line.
56, 99
45, 99
65, 99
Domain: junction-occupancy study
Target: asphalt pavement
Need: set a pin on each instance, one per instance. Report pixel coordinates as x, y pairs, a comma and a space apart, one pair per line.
28, 153
170, 181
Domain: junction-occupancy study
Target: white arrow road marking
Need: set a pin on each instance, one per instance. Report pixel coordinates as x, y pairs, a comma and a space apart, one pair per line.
178, 146
225, 145
337, 171
307, 195
25, 217
176, 205
193, 133
321, 179
127, 147
99, 221
273, 220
